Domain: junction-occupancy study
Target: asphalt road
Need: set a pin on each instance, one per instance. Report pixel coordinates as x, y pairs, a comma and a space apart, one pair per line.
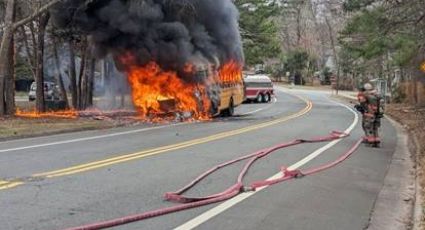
68, 180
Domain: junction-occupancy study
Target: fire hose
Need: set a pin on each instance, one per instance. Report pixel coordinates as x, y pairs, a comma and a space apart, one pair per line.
186, 202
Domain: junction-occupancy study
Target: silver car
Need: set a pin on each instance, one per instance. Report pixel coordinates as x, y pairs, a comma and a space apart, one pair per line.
51, 91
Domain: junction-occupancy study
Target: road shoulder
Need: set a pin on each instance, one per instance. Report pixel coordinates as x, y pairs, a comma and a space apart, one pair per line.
394, 206
18, 128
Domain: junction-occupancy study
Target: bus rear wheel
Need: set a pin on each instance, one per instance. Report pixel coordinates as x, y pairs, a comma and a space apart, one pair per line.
230, 111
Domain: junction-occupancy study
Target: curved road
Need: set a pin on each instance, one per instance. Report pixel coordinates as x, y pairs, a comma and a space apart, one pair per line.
68, 180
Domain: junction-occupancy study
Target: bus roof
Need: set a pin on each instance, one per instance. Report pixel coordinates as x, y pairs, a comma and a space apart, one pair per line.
257, 78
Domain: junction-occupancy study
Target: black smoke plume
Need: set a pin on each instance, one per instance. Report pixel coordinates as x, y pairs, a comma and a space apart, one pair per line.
169, 32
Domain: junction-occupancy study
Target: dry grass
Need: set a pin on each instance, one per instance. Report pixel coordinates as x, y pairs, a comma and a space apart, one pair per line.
21, 94
413, 119
11, 128
19, 127
25, 105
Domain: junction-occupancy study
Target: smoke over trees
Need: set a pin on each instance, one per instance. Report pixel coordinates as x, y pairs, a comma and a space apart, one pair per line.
169, 32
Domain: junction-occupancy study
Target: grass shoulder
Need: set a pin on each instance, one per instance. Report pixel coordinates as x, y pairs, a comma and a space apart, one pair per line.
14, 128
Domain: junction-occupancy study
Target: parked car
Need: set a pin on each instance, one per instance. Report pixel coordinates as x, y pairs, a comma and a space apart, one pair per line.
258, 88
51, 91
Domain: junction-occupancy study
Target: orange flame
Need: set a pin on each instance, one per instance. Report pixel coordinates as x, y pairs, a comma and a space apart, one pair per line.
66, 114
158, 91
231, 73
155, 91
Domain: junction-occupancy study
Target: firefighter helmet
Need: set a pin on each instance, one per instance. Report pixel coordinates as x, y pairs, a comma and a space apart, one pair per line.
368, 86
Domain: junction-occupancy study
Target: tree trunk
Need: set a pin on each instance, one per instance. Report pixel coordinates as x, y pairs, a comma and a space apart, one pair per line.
85, 85
29, 54
9, 83
37, 13
81, 77
73, 75
42, 24
331, 37
299, 26
5, 54
64, 95
110, 87
90, 83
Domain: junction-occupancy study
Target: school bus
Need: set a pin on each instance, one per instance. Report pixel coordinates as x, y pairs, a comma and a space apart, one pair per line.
225, 95
231, 96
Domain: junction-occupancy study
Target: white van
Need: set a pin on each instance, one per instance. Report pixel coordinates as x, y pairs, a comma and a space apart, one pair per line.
51, 91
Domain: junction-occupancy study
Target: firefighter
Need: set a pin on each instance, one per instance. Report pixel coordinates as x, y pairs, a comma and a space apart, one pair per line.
371, 107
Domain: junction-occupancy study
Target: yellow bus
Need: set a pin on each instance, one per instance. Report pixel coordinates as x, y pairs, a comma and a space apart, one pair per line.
231, 96
225, 92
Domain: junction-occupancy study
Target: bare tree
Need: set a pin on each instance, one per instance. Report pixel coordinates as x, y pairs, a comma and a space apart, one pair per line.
39, 76
83, 73
72, 74
6, 70
7, 44
64, 95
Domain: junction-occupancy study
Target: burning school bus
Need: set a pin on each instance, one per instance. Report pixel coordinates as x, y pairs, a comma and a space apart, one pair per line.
231, 89
198, 92
162, 38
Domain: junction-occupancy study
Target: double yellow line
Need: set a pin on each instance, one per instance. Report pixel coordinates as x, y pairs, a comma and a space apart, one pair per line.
135, 156
9, 184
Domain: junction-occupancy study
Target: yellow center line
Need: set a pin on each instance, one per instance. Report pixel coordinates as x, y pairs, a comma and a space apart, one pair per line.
9, 184
139, 155
155, 151
151, 152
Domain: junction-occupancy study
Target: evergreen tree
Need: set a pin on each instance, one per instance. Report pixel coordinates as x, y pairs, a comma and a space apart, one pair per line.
259, 30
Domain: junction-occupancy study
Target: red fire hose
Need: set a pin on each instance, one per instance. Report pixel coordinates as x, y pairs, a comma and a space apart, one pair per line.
232, 191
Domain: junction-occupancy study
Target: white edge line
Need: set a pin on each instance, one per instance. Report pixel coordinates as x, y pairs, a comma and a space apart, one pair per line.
195, 222
261, 109
90, 138
110, 135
